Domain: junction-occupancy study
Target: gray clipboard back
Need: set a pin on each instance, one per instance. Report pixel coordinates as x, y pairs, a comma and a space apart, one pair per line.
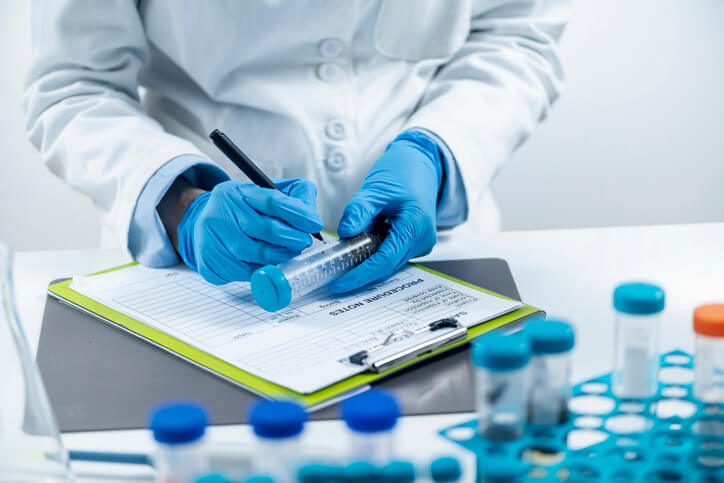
101, 378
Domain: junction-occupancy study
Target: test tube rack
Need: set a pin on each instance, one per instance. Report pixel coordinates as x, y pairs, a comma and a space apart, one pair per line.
670, 437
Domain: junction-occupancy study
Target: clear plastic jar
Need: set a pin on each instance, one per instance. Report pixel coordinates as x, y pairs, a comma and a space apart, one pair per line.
709, 357
278, 426
371, 418
551, 342
178, 428
636, 358
501, 384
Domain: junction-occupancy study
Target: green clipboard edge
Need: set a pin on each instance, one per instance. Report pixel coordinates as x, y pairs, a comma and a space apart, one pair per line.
214, 364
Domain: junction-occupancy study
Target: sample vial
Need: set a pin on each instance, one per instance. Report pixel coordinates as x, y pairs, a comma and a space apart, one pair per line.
275, 286
709, 357
551, 342
178, 428
371, 418
636, 358
277, 425
501, 384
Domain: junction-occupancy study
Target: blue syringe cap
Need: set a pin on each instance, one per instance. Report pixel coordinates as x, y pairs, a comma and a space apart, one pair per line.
550, 336
178, 422
277, 419
638, 298
498, 352
446, 469
270, 288
371, 412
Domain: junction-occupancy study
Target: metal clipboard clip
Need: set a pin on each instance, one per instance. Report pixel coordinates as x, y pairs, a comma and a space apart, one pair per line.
458, 333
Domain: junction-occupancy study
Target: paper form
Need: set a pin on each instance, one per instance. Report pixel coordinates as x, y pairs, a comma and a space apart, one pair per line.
303, 347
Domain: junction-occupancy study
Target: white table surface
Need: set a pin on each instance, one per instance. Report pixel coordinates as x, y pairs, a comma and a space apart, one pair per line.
568, 273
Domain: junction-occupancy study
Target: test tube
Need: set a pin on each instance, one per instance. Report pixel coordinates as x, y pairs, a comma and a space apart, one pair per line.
178, 428
551, 342
636, 359
371, 418
501, 384
275, 286
278, 425
709, 357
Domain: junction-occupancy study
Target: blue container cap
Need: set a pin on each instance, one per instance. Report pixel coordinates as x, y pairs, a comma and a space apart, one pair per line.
212, 478
277, 419
446, 469
638, 298
398, 472
259, 479
178, 422
498, 352
502, 469
371, 412
270, 288
550, 336
319, 473
360, 472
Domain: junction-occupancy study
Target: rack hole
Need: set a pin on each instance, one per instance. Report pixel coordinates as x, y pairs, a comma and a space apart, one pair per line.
594, 388
709, 427
631, 407
462, 433
628, 424
583, 438
711, 459
674, 391
676, 375
665, 475
591, 404
677, 359
588, 422
670, 408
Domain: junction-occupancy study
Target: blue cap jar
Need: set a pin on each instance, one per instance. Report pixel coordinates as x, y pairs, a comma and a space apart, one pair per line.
372, 411
277, 419
550, 336
178, 422
497, 352
638, 298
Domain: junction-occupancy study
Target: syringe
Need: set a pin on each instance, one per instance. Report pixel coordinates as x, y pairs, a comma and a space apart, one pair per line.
275, 286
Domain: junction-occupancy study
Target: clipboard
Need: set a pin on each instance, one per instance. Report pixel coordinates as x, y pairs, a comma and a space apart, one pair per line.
61, 293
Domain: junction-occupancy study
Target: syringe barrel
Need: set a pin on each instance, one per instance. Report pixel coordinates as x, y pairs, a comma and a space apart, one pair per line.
275, 286
309, 272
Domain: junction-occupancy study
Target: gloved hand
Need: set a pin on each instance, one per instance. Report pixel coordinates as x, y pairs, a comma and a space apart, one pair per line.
232, 230
401, 187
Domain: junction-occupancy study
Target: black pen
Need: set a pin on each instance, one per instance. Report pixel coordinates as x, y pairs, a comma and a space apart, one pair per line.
245, 164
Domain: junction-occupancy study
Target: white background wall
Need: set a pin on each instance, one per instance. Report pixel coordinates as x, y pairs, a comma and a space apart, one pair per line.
638, 137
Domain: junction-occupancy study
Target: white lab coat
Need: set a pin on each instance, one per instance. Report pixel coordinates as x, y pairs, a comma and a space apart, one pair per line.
312, 89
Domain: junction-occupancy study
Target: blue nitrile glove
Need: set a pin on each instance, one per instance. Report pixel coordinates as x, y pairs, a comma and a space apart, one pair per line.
402, 188
232, 230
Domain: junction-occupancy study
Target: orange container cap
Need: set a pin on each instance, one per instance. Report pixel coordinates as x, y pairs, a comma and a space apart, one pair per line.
709, 320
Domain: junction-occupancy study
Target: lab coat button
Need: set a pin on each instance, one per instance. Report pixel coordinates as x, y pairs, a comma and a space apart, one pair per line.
330, 47
336, 160
328, 72
335, 130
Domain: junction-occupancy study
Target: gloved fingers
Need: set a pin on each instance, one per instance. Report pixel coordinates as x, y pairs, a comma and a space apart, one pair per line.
274, 203
267, 228
392, 254
248, 250
358, 215
301, 189
277, 233
218, 266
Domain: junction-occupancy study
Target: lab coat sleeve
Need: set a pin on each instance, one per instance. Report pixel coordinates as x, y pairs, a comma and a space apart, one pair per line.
486, 100
148, 241
82, 104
